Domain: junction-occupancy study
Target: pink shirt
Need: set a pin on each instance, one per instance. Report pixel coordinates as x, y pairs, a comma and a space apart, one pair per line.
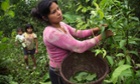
60, 44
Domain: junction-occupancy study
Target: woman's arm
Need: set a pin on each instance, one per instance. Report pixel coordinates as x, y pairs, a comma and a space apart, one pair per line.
79, 33
67, 42
82, 33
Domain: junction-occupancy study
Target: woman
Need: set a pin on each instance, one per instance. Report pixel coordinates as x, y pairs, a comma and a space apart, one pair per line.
59, 37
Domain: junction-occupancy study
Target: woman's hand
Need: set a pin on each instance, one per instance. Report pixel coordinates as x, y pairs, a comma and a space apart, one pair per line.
105, 26
108, 33
95, 30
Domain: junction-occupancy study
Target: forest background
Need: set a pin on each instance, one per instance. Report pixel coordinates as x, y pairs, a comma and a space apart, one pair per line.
122, 51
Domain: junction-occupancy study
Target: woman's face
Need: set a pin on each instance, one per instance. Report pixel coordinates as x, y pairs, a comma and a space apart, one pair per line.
55, 15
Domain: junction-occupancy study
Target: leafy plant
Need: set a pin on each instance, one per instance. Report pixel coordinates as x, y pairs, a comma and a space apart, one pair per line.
83, 77
121, 48
121, 51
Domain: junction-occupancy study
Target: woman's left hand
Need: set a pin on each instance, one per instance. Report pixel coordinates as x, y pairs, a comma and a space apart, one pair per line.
105, 25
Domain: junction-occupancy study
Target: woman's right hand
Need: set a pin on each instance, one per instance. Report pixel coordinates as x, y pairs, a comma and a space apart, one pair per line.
108, 33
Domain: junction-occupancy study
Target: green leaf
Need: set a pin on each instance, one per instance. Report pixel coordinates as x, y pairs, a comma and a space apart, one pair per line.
83, 77
107, 81
105, 3
49, 82
79, 8
73, 80
84, 9
138, 73
101, 14
122, 44
127, 73
46, 77
104, 52
96, 5
97, 51
11, 13
127, 77
117, 72
90, 77
133, 40
4, 39
103, 32
110, 60
1, 18
3, 46
93, 13
5, 5
102, 4
134, 18
70, 18
120, 55
87, 1
128, 60
1, 33
121, 62
80, 75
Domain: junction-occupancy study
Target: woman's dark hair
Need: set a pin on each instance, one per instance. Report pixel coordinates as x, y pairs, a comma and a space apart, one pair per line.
19, 29
42, 9
28, 26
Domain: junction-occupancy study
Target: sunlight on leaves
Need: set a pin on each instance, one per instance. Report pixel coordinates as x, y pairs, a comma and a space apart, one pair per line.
122, 44
110, 60
11, 13
5, 5
117, 72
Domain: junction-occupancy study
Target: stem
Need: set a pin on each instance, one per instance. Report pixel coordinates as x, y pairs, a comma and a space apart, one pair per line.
127, 42
127, 32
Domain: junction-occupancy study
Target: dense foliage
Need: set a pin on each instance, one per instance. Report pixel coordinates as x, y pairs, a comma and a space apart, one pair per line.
122, 51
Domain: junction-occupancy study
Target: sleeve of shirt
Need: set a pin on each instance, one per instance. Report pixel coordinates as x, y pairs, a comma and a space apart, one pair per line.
35, 36
24, 34
79, 33
16, 38
67, 42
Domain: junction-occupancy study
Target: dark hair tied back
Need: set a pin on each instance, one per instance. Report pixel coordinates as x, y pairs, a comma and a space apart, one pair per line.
42, 9
36, 14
